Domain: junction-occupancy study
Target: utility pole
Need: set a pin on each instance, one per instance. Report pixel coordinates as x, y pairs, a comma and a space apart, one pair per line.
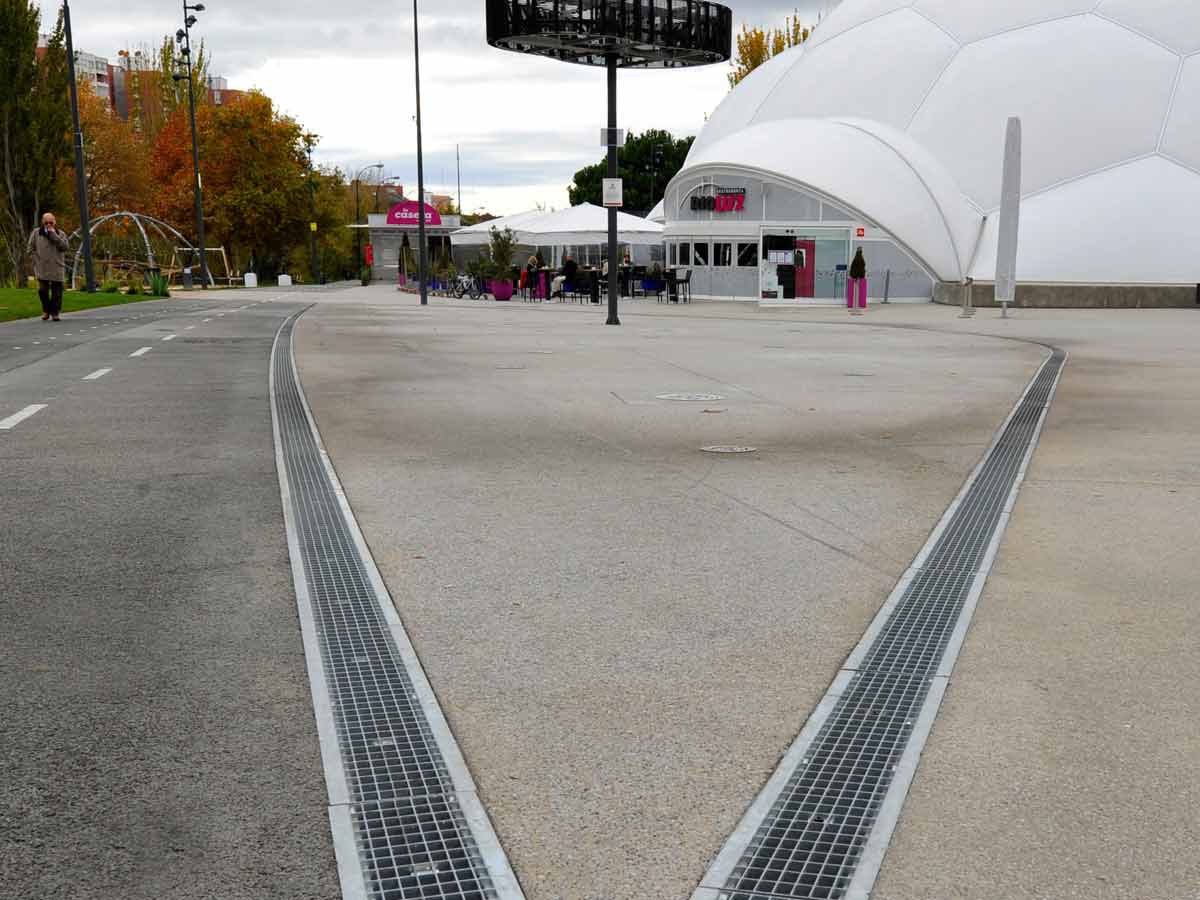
185, 34
81, 198
421, 250
318, 278
614, 267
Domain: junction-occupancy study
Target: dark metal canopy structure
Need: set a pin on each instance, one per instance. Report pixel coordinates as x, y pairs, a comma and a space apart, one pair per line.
616, 34
647, 34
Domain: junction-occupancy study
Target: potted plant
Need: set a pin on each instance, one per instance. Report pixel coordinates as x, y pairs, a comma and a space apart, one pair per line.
364, 275
653, 282
499, 260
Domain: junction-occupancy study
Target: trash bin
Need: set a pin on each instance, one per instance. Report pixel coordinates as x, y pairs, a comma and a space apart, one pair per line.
186, 278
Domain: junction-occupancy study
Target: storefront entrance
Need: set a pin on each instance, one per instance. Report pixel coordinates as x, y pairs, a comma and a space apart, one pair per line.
804, 264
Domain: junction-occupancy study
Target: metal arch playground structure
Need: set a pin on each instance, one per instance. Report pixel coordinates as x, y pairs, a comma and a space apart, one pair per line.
126, 234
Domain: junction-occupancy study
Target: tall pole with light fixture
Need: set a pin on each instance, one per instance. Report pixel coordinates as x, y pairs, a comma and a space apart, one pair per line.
81, 197
184, 35
421, 250
358, 215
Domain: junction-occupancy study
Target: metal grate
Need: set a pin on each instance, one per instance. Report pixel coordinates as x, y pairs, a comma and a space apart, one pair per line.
811, 841
413, 838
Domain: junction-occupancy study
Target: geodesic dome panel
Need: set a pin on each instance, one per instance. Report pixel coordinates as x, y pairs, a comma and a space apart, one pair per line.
1182, 138
1079, 112
1098, 86
1174, 24
900, 55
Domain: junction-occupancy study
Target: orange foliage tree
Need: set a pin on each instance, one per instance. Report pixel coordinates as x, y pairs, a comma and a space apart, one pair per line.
116, 161
254, 173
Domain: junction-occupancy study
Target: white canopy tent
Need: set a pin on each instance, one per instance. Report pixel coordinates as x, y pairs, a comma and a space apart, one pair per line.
583, 226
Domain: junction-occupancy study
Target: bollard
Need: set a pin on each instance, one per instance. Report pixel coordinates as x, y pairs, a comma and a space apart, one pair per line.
887, 285
968, 306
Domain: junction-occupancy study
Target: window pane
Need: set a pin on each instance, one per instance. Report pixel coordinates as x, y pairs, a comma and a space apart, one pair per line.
671, 254
748, 255
700, 254
722, 254
685, 253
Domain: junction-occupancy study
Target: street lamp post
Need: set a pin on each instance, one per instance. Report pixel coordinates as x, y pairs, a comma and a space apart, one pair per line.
81, 197
358, 215
422, 262
309, 141
184, 34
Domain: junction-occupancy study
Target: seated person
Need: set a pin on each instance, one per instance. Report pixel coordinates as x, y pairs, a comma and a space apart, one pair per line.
570, 272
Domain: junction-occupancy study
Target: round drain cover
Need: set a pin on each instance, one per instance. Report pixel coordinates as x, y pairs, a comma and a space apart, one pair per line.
728, 448
705, 398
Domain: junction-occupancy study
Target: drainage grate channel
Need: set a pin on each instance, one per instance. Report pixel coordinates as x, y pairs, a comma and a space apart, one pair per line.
413, 837
808, 835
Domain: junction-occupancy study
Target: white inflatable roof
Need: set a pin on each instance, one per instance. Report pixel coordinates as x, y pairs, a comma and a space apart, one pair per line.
582, 224
1108, 92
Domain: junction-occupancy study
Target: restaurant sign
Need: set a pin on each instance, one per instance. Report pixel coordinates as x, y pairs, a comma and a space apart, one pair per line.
406, 211
721, 200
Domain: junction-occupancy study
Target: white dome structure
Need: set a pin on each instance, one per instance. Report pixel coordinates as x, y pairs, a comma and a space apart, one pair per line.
895, 111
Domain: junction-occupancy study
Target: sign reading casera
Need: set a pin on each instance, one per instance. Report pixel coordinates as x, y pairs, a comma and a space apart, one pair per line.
406, 212
722, 200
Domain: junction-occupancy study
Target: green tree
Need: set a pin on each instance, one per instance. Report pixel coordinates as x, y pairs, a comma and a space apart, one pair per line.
646, 163
35, 124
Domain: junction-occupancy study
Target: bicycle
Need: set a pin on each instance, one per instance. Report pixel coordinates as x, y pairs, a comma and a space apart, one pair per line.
466, 284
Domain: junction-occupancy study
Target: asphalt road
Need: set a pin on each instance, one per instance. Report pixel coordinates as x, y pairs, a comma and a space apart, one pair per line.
156, 733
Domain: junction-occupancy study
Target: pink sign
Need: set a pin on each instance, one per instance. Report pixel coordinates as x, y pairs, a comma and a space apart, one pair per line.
406, 211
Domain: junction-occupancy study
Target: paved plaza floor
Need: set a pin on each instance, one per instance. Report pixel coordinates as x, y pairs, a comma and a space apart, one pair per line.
624, 630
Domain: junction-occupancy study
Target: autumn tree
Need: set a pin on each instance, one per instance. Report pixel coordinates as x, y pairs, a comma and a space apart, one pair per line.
755, 46
116, 161
254, 168
646, 163
35, 122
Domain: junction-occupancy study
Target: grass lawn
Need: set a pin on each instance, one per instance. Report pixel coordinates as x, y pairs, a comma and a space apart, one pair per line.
22, 303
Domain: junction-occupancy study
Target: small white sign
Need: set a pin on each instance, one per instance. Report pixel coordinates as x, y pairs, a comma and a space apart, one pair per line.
613, 192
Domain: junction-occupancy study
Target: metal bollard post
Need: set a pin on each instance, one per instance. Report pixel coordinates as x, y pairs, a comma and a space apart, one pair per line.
968, 304
887, 285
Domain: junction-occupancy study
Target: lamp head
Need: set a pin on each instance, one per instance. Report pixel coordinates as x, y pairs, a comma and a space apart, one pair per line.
180, 35
190, 21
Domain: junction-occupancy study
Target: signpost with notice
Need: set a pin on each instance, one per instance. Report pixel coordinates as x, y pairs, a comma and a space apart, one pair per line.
613, 193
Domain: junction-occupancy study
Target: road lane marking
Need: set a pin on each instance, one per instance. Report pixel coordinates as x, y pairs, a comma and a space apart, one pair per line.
142, 352
99, 373
189, 328
207, 320
169, 337
17, 418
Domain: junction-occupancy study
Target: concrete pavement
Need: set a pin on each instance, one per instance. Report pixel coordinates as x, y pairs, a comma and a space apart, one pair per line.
626, 632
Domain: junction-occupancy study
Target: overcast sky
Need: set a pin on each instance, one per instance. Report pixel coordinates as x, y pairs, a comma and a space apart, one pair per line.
345, 71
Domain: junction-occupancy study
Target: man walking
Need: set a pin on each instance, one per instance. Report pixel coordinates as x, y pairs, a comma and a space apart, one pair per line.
48, 247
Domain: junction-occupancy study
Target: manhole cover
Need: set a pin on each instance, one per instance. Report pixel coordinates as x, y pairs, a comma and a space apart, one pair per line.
704, 398
728, 448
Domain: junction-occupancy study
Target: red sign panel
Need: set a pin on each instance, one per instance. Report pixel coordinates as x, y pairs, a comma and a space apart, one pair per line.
368, 254
406, 211
723, 201
862, 232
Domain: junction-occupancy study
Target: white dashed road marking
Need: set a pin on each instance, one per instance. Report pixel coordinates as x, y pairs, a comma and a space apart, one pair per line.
142, 352
189, 328
169, 337
17, 418
99, 373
